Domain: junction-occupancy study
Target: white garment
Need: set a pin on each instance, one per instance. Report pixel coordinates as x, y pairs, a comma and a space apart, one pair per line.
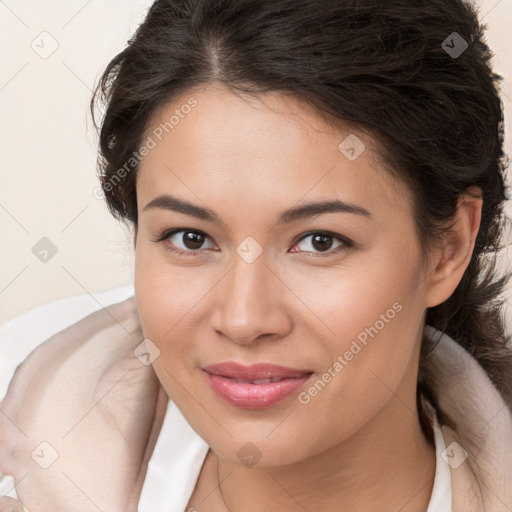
167, 487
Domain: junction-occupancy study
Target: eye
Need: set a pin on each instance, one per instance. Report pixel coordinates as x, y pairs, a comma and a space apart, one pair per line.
322, 241
183, 241
189, 242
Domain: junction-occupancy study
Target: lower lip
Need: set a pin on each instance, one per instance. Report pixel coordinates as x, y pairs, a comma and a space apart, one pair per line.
254, 396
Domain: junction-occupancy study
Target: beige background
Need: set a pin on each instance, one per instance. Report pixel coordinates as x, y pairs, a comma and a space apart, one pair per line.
48, 148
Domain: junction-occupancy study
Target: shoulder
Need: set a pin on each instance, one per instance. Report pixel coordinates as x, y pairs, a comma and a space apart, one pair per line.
481, 426
22, 334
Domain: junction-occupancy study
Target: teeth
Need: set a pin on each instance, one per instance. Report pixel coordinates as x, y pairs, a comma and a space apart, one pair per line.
260, 381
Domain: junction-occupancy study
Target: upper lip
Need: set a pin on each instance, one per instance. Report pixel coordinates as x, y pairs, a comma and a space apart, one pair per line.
255, 371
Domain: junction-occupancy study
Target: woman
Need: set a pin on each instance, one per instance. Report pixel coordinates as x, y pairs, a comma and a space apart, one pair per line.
316, 192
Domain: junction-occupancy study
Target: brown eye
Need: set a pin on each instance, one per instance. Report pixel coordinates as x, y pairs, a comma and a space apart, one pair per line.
184, 241
192, 240
321, 242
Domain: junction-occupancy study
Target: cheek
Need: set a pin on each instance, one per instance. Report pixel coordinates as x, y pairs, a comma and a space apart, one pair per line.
367, 292
372, 359
169, 299
374, 315
164, 292
161, 304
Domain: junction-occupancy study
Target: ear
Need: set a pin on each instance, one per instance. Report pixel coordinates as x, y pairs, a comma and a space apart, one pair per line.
452, 256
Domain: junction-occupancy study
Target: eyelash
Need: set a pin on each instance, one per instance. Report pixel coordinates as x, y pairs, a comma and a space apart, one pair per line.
347, 244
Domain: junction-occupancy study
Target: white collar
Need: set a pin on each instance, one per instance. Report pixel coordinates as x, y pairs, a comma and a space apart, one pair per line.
441, 498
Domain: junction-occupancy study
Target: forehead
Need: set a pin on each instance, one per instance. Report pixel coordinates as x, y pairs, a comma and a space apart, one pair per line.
272, 150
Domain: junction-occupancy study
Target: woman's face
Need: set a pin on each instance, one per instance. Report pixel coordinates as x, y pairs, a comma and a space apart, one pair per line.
339, 293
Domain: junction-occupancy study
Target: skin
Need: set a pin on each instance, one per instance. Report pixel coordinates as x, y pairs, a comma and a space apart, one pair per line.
357, 445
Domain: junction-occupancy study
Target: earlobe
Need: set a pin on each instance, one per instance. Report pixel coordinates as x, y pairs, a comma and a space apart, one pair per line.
453, 255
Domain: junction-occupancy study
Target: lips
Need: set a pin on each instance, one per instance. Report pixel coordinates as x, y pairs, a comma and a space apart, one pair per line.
254, 387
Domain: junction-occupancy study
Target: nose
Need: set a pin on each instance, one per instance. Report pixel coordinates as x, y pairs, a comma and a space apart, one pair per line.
249, 303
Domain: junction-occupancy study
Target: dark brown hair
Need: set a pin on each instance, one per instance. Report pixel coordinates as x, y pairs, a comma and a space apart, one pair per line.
416, 75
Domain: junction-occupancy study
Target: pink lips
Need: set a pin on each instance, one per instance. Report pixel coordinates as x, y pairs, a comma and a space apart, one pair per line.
256, 386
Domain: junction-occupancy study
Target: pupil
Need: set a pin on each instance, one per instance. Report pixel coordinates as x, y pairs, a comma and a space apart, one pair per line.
193, 241
322, 245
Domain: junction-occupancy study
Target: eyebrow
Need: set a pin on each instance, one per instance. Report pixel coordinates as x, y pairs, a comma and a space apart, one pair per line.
169, 202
